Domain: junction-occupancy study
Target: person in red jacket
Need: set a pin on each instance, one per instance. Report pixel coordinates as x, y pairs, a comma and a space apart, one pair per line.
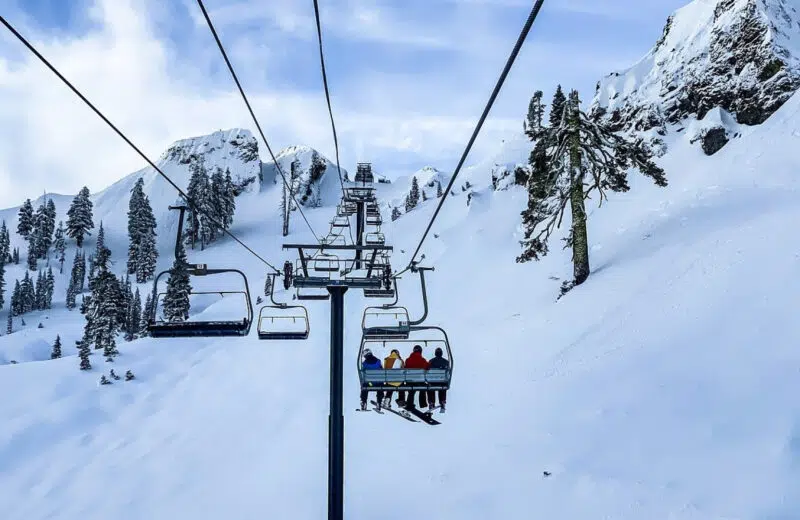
416, 360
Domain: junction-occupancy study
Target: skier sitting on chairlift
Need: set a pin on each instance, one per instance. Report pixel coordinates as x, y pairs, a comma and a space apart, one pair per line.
393, 360
370, 363
438, 362
416, 360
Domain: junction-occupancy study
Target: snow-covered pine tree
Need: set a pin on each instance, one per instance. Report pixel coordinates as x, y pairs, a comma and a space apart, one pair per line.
56, 353
145, 318
288, 192
135, 319
15, 257
395, 213
439, 191
79, 217
25, 222
80, 276
142, 252
424, 196
569, 162
60, 246
39, 292
5, 244
316, 171
50, 212
49, 288
10, 323
106, 305
43, 228
32, 252
126, 300
533, 123
83, 352
197, 192
28, 294
134, 214
16, 300
216, 203
413, 196
71, 294
176, 300
2, 283
90, 274
557, 107
230, 199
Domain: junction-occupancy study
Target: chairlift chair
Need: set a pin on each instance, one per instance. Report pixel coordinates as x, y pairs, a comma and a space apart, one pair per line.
281, 321
334, 240
359, 194
325, 263
340, 222
159, 328
387, 322
374, 220
364, 173
374, 239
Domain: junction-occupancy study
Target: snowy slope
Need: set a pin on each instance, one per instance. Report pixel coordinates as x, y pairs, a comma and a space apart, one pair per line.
740, 55
664, 387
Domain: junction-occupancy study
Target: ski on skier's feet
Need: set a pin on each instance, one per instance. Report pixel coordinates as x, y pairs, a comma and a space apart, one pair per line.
400, 412
424, 416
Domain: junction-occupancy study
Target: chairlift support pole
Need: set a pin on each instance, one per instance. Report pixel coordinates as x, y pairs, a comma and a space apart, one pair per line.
336, 416
337, 289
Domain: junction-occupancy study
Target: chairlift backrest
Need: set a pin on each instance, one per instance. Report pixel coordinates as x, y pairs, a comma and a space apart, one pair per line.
159, 328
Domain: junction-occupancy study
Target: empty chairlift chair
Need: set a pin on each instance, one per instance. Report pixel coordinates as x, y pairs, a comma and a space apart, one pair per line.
374, 239
160, 327
340, 222
387, 322
319, 275
280, 321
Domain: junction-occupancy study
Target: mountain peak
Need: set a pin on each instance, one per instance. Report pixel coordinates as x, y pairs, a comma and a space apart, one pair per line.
740, 55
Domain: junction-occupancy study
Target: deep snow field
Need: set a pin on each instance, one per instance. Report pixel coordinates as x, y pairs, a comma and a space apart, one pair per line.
666, 386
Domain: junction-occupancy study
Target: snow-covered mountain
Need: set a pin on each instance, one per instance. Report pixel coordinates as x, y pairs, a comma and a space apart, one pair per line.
740, 56
235, 149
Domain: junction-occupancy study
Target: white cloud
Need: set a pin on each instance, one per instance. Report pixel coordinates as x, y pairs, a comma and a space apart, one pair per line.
159, 87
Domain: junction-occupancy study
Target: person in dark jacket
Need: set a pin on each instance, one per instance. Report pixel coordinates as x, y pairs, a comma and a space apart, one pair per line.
438, 362
370, 363
416, 361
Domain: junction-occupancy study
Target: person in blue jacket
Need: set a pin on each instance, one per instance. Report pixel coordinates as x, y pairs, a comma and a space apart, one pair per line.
370, 363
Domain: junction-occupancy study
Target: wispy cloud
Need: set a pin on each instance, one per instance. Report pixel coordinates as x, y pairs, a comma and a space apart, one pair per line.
408, 79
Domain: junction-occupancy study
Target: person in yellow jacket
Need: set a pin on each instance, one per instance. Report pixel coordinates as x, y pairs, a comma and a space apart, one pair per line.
393, 360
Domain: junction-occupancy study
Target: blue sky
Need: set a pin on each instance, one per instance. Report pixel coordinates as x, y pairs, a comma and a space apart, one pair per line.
408, 77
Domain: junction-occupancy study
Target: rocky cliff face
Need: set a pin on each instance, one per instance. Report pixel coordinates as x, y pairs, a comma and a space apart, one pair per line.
742, 56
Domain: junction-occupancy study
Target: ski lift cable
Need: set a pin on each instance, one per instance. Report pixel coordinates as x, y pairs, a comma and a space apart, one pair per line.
183, 194
512, 57
252, 114
328, 100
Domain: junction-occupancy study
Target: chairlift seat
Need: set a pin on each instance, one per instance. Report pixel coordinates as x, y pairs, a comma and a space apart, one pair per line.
379, 293
193, 329
405, 379
280, 334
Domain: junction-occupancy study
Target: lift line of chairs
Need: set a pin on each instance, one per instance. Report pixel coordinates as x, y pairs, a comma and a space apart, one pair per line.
384, 328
